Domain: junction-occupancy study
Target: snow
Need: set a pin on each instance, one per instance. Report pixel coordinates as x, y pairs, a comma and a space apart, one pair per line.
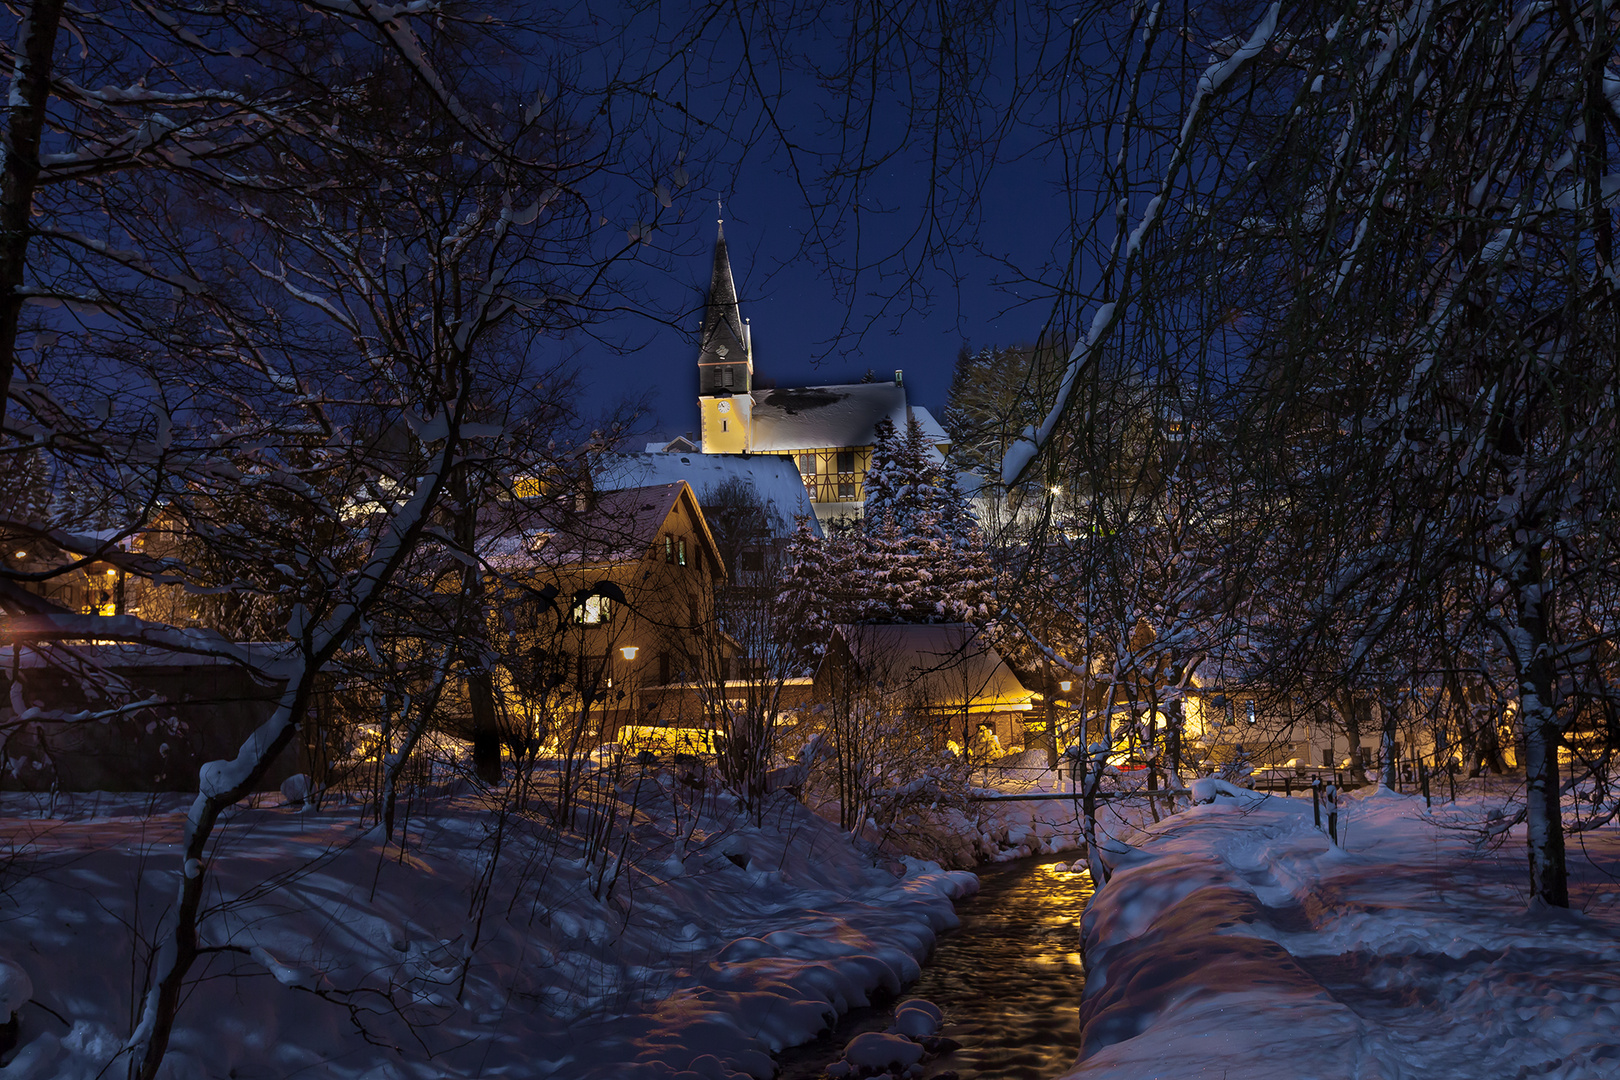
702, 973
880, 1050
774, 478
824, 417
1235, 940
15, 988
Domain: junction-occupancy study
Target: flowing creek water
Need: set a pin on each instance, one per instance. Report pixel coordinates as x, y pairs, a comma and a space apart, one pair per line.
1009, 980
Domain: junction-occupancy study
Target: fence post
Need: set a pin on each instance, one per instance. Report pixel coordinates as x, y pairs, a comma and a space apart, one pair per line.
1316, 799
1423, 780
1333, 813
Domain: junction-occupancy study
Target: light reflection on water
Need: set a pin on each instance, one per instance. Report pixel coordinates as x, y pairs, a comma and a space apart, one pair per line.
1009, 980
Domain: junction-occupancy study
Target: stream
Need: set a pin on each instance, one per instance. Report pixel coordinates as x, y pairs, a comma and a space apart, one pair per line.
1008, 979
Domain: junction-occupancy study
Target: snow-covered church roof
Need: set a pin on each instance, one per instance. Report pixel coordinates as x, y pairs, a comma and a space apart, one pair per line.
819, 417
775, 479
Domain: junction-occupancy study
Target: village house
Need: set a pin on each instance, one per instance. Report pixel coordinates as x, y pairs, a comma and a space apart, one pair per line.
611, 600
827, 432
948, 676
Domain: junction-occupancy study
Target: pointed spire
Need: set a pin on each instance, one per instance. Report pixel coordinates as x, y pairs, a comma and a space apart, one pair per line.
724, 341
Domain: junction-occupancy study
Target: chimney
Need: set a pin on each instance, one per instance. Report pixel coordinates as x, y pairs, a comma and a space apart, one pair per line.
897, 380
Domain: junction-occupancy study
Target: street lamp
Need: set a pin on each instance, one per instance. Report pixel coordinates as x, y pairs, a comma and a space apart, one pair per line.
630, 651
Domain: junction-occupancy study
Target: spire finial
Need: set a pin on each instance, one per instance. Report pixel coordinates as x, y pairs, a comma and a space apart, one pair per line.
719, 212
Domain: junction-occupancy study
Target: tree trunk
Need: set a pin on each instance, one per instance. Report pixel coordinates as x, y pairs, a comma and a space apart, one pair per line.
19, 169
1352, 732
1530, 645
486, 723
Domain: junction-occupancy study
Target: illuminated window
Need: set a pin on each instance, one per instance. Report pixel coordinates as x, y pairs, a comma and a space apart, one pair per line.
669, 549
680, 551
593, 611
1249, 705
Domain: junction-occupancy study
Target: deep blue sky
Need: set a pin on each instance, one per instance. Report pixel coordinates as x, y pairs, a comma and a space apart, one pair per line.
804, 328
797, 315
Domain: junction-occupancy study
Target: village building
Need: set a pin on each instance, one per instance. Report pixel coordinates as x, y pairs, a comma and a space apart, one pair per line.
826, 432
613, 601
945, 676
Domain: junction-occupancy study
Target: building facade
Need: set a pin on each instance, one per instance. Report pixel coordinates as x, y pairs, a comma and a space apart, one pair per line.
828, 432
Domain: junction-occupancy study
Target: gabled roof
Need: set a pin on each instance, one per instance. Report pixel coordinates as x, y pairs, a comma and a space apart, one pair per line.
590, 529
680, 444
775, 479
944, 664
847, 414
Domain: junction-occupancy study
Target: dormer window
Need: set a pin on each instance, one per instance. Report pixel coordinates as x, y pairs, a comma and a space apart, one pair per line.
680, 551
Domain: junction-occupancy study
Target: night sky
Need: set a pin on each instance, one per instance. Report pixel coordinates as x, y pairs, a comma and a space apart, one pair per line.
803, 332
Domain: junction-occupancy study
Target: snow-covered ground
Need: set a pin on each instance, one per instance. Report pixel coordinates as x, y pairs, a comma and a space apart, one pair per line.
1237, 941
341, 959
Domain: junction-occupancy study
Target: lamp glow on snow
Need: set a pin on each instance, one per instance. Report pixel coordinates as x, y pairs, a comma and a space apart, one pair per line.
630, 651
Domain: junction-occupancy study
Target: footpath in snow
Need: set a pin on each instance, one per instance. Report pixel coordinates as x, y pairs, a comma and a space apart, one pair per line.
1236, 941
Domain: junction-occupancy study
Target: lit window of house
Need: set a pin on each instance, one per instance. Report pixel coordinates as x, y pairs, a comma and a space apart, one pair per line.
593, 611
669, 549
680, 551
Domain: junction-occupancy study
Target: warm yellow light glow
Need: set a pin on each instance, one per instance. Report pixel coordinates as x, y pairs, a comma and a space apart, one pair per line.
22, 554
1057, 490
1064, 685
630, 651
110, 573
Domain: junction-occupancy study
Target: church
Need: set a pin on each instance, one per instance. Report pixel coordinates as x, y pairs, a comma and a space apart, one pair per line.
827, 432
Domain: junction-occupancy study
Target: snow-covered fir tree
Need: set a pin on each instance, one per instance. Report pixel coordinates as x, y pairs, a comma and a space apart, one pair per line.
917, 556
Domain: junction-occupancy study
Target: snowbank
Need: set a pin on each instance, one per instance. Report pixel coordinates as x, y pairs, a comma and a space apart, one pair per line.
349, 960
1237, 941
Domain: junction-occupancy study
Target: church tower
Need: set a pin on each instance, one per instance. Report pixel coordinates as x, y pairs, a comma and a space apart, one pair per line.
725, 363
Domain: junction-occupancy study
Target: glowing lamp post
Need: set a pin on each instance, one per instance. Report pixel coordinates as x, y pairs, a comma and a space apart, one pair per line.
630, 651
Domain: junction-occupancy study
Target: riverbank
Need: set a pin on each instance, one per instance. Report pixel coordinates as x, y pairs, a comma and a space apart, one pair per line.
1236, 940
694, 944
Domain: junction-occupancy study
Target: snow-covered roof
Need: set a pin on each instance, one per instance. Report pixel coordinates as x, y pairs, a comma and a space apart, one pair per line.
602, 527
932, 430
816, 417
944, 664
774, 478
680, 444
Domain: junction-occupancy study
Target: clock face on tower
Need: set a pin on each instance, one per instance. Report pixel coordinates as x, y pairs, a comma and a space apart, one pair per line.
724, 406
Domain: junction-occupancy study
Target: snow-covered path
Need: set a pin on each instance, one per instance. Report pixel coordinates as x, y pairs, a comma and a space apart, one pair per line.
1238, 941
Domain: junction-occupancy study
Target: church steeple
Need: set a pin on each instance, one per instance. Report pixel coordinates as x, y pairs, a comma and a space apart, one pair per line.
725, 362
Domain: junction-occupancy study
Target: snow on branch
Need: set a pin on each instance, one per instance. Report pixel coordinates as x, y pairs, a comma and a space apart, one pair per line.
1016, 461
